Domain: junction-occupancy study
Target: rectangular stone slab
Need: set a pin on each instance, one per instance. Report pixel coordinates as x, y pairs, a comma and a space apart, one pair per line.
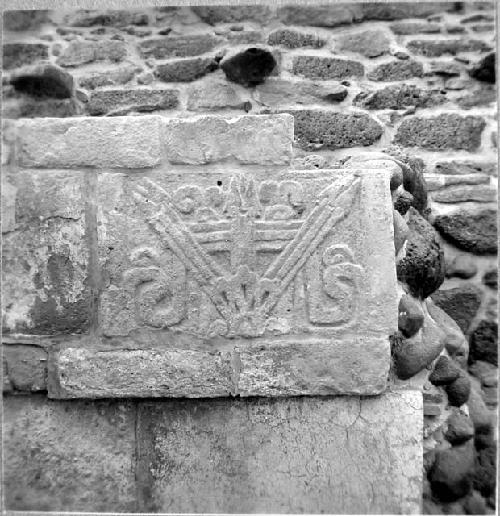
332, 455
290, 273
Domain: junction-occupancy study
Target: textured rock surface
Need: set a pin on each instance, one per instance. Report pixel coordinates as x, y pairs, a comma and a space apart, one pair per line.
460, 428
178, 46
431, 48
295, 39
326, 68
399, 97
84, 52
484, 342
19, 54
25, 367
396, 71
320, 15
369, 43
411, 316
185, 70
459, 390
240, 455
445, 371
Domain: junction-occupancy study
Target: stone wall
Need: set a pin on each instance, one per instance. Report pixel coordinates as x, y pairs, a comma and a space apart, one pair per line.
405, 87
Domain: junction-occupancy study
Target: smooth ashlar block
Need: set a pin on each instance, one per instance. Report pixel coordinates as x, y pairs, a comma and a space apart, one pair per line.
259, 285
312, 455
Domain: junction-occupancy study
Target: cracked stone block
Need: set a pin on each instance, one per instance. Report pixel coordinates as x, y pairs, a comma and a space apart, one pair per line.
68, 456
45, 256
295, 455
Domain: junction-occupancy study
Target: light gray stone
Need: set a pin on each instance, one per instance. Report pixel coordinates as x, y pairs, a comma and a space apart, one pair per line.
463, 193
308, 455
128, 142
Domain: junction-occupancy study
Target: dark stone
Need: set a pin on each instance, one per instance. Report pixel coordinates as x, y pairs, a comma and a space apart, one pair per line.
332, 130
485, 471
399, 97
45, 80
109, 18
490, 279
459, 390
413, 178
422, 269
336, 93
294, 39
403, 202
250, 67
20, 54
451, 474
326, 68
388, 11
445, 371
460, 428
465, 167
485, 69
119, 102
484, 343
460, 303
462, 266
398, 70
406, 28
213, 14
410, 317
475, 504
178, 46
320, 15
435, 48
474, 232
445, 131
185, 70
81, 52
23, 20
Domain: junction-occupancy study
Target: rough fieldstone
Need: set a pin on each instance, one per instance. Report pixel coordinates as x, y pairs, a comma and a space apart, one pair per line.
440, 182
401, 231
451, 474
110, 77
445, 131
401, 10
245, 37
23, 20
178, 46
369, 43
320, 15
124, 101
485, 372
462, 266
214, 93
44, 80
490, 279
460, 428
25, 367
311, 161
109, 18
213, 14
465, 193
29, 107
422, 269
434, 48
326, 68
295, 39
20, 54
68, 456
316, 129
186, 70
444, 68
404, 200
231, 452
466, 167
250, 67
81, 52
481, 97
471, 231
479, 413
411, 316
396, 71
399, 97
486, 470
484, 342
484, 70
128, 142
475, 504
460, 303
445, 371
406, 28
459, 390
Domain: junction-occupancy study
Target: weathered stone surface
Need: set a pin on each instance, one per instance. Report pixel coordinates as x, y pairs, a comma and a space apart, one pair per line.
406, 28
465, 193
263, 139
479, 413
320, 15
445, 371
399, 97
484, 70
25, 367
490, 279
401, 231
214, 14
120, 102
483, 96
109, 18
68, 456
30, 107
466, 167
401, 10
437, 182
475, 504
81, 52
215, 93
451, 474
245, 37
179, 46
316, 129
232, 454
436, 48
44, 80
460, 303
186, 70
411, 316
460, 428
445, 68
461, 266
326, 68
422, 268
446, 131
484, 342
369, 43
486, 470
339, 344
128, 142
110, 77
472, 231
45, 260
396, 71
23, 20
458, 391
404, 200
20, 54
250, 67
295, 39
